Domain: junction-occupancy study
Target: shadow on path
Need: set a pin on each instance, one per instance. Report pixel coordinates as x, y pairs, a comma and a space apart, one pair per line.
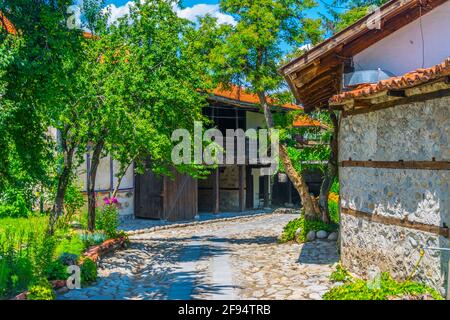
319, 252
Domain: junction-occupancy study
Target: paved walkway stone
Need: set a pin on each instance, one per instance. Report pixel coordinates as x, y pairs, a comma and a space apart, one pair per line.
239, 259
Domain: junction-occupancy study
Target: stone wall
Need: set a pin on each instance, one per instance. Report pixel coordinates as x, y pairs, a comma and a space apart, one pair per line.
420, 132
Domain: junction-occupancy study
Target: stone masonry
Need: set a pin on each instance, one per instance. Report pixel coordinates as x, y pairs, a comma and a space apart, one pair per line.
418, 131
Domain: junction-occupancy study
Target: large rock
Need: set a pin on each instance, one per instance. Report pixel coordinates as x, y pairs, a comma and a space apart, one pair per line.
311, 236
321, 234
333, 236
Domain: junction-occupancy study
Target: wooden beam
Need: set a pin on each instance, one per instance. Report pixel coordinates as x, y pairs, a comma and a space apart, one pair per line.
354, 39
248, 187
420, 165
405, 223
388, 11
397, 93
401, 101
241, 188
362, 103
216, 189
266, 190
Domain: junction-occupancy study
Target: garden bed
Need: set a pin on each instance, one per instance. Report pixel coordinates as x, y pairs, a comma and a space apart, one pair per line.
94, 253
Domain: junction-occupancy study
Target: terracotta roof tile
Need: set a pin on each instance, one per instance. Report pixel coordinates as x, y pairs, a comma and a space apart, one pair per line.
6, 24
405, 81
241, 95
305, 121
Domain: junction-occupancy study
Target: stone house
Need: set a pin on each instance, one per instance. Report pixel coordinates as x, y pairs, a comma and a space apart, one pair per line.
391, 86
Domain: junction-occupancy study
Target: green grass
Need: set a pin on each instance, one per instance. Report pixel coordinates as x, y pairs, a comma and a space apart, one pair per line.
340, 274
28, 254
387, 288
32, 224
67, 240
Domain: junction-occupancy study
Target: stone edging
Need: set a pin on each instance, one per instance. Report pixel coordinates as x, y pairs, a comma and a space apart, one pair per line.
93, 253
196, 223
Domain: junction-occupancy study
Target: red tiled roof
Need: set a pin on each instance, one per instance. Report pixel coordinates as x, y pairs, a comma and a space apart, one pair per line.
305, 121
405, 81
241, 95
6, 24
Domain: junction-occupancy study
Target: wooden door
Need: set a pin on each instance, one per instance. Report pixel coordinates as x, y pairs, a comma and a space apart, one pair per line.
180, 197
148, 195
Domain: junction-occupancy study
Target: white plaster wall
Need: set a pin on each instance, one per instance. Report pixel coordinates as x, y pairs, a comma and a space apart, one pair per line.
254, 120
103, 179
255, 175
103, 182
127, 180
401, 51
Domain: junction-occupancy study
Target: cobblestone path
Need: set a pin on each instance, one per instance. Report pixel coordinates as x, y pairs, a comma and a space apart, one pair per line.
238, 259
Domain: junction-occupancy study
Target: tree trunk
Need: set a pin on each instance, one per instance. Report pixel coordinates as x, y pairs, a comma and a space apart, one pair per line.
332, 169
63, 182
297, 179
119, 180
92, 174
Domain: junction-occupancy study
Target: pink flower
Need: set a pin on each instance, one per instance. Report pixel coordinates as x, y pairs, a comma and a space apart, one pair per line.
114, 200
106, 200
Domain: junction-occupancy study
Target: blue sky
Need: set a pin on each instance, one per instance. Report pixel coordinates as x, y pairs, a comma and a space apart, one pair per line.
193, 8
190, 3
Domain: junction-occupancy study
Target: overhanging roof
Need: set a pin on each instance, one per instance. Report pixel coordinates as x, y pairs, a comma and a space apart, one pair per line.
316, 76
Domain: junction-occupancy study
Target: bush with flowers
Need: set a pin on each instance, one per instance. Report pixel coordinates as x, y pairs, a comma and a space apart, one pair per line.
107, 220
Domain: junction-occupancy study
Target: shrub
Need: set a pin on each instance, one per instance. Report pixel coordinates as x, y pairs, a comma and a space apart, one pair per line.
17, 261
56, 270
88, 271
108, 220
333, 209
123, 234
44, 255
340, 274
388, 288
71, 244
26, 254
14, 204
41, 290
306, 226
73, 201
335, 186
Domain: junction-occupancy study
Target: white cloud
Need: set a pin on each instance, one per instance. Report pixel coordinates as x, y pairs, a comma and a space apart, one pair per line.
189, 13
118, 12
201, 9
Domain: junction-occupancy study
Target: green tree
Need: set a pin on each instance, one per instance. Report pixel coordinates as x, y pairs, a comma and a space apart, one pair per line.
342, 13
28, 164
52, 79
151, 80
253, 51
